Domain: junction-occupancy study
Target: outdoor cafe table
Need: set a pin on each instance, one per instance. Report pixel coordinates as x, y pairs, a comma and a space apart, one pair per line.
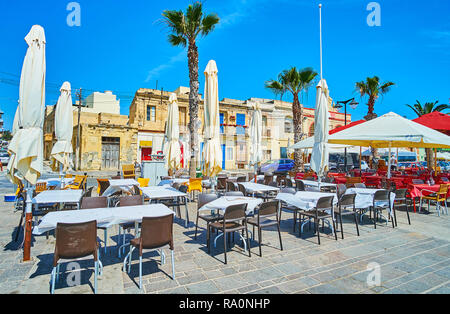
315, 184
225, 201
105, 217
304, 200
222, 203
419, 190
59, 196
364, 199
253, 188
56, 181
120, 184
164, 192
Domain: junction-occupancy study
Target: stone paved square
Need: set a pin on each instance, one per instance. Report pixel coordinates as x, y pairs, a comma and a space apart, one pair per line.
412, 259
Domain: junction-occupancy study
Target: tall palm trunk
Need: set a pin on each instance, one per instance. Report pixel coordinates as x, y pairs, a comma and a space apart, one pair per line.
430, 158
370, 116
193, 106
297, 119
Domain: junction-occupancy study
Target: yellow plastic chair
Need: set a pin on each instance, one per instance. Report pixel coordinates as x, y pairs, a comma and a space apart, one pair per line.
41, 187
195, 185
78, 183
143, 182
128, 172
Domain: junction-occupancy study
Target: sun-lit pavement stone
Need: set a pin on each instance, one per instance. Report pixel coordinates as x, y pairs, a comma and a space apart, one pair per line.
412, 259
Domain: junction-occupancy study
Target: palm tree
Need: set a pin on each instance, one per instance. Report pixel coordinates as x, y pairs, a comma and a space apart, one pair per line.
427, 108
294, 81
372, 88
186, 28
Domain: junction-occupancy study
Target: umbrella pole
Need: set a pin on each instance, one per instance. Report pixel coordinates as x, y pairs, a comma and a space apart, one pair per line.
28, 223
435, 162
389, 161
360, 162
61, 175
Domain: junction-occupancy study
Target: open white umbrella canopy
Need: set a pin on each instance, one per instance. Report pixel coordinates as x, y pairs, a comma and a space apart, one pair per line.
320, 154
212, 152
172, 149
309, 143
391, 130
63, 127
256, 135
26, 147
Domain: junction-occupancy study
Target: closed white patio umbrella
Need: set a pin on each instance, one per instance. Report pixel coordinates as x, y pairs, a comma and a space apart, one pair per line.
26, 147
212, 152
63, 128
256, 137
320, 154
172, 149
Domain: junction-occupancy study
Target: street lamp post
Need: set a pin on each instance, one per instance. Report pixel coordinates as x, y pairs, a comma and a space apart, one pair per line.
339, 105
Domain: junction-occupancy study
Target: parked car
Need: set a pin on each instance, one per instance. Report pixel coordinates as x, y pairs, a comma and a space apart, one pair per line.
411, 166
4, 158
276, 166
445, 165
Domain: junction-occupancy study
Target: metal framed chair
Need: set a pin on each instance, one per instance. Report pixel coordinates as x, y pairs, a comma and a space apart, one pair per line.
381, 201
234, 220
323, 211
401, 201
299, 185
231, 187
75, 241
204, 199
156, 234
437, 197
267, 212
133, 200
97, 202
346, 207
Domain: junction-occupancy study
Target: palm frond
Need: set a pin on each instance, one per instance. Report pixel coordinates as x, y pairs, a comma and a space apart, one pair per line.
276, 87
415, 110
209, 23
177, 40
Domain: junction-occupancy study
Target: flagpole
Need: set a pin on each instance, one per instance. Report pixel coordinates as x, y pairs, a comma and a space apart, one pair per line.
320, 19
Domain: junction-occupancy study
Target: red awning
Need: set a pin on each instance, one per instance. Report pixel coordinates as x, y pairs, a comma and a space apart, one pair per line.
436, 120
342, 128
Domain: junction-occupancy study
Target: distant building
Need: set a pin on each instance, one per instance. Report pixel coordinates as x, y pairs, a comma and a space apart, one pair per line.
106, 139
98, 102
148, 113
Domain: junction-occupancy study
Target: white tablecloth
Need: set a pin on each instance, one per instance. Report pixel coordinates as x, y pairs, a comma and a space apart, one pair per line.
160, 192
252, 187
56, 181
58, 196
223, 202
304, 200
105, 217
123, 182
125, 185
364, 197
316, 184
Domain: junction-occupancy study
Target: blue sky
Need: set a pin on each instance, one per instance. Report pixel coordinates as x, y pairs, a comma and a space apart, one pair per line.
122, 46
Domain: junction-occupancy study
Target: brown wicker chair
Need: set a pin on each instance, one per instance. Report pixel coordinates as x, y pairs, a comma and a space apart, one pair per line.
156, 233
75, 241
346, 207
234, 220
133, 200
97, 202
